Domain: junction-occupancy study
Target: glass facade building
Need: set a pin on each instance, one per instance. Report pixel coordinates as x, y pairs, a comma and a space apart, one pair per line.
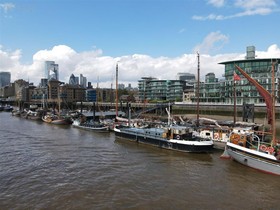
215, 91
162, 90
5, 79
73, 80
91, 95
51, 70
209, 90
83, 81
259, 70
185, 76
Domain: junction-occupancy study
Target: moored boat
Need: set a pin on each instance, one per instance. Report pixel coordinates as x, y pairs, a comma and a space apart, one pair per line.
248, 149
90, 125
57, 120
221, 134
32, 115
16, 112
179, 138
8, 108
258, 150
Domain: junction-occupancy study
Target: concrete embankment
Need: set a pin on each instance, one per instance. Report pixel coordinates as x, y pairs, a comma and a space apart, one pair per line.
221, 110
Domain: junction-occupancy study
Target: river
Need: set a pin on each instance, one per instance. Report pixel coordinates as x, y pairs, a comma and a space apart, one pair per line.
47, 166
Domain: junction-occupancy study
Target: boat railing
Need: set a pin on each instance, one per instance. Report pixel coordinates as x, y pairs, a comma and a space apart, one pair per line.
259, 145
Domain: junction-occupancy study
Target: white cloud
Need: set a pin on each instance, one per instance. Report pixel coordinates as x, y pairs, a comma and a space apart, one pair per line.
212, 42
252, 4
59, 52
99, 68
209, 17
216, 3
273, 51
9, 60
248, 8
7, 6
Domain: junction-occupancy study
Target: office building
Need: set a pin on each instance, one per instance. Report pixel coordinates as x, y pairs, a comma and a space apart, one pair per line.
43, 83
91, 95
51, 70
5, 79
214, 91
257, 68
83, 81
210, 89
161, 90
185, 76
121, 86
73, 80
72, 93
21, 90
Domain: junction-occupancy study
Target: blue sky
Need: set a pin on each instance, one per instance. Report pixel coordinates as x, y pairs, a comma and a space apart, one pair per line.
148, 37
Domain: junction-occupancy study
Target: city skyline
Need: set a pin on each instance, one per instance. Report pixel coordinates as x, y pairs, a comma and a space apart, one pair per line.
147, 38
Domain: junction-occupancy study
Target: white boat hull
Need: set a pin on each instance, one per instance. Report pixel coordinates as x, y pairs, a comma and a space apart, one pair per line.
100, 128
263, 162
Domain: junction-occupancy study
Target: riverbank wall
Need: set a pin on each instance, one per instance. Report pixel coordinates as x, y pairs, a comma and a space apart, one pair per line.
258, 111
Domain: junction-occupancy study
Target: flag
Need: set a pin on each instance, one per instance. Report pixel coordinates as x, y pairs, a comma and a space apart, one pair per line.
236, 77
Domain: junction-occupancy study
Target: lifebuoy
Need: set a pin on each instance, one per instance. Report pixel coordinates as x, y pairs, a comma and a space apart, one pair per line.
178, 137
263, 148
234, 138
216, 136
270, 150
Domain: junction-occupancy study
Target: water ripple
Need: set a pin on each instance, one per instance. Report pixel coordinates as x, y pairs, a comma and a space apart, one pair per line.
53, 167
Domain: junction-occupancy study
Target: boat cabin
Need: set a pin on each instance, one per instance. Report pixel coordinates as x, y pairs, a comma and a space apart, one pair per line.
178, 132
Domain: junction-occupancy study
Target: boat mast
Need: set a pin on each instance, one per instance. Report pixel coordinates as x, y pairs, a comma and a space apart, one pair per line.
111, 94
197, 91
97, 91
129, 114
273, 130
117, 90
93, 111
59, 92
234, 101
43, 103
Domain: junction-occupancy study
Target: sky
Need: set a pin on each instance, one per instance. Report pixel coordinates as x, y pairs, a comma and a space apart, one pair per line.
147, 38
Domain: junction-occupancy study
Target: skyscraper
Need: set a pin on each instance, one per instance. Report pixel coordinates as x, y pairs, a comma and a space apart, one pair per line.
51, 70
73, 80
5, 79
83, 81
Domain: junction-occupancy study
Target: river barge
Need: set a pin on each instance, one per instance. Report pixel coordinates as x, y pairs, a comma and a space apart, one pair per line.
179, 138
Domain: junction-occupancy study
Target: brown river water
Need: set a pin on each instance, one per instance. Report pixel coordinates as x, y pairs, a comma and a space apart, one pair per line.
45, 166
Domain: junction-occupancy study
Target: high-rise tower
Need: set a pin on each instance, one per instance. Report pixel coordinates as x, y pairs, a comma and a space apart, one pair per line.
83, 81
73, 80
51, 70
5, 78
